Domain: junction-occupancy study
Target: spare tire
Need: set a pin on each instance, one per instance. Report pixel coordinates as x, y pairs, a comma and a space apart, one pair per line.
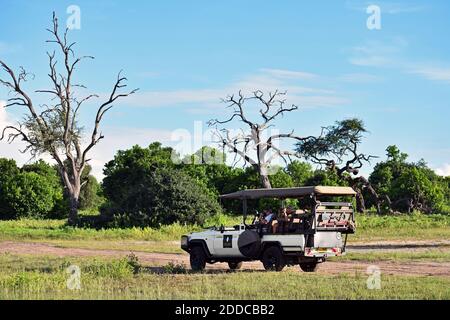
249, 243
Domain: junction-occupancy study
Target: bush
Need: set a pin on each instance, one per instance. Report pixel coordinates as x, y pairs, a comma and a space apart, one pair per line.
158, 197
8, 172
89, 196
33, 191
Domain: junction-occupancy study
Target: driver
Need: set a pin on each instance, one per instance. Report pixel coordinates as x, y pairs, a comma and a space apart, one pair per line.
268, 216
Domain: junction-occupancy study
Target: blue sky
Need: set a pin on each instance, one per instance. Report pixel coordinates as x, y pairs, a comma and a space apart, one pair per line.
186, 55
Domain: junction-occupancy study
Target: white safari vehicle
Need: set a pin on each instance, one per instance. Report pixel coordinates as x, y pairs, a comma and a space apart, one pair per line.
305, 237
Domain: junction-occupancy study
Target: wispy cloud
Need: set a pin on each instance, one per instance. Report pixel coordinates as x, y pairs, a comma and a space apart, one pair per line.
267, 80
391, 55
444, 170
289, 74
122, 138
386, 6
8, 48
148, 74
377, 53
359, 78
432, 73
10, 151
116, 138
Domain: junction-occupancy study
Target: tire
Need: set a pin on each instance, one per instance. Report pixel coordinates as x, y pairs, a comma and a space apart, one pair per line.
309, 266
197, 259
273, 259
234, 265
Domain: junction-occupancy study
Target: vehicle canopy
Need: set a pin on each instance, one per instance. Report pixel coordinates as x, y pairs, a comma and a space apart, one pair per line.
284, 193
287, 193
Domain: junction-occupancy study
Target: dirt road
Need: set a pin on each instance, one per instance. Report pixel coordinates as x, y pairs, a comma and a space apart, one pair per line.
330, 267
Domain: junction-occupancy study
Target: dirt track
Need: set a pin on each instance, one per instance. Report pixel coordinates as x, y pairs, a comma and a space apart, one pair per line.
159, 259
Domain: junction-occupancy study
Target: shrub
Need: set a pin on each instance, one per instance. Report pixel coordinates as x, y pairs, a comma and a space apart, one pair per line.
158, 197
33, 191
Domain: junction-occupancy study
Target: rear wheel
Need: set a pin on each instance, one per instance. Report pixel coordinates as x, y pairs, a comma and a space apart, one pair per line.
309, 266
235, 265
197, 259
273, 259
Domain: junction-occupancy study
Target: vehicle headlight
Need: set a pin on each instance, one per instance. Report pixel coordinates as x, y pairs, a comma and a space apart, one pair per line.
184, 241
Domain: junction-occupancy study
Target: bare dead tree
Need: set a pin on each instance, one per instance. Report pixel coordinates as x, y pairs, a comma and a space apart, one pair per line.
253, 145
336, 148
53, 128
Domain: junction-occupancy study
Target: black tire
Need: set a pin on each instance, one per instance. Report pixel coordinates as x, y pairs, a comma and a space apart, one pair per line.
235, 265
273, 259
197, 259
308, 266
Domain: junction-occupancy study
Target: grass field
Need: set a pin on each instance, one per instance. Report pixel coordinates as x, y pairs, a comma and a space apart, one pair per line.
370, 228
29, 277
45, 277
436, 255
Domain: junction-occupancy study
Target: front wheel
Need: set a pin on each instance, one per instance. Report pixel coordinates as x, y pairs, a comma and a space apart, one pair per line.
273, 259
309, 266
198, 259
234, 265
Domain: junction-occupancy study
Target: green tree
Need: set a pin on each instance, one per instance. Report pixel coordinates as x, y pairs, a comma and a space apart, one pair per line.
8, 173
300, 172
32, 191
32, 195
144, 188
406, 186
337, 149
90, 194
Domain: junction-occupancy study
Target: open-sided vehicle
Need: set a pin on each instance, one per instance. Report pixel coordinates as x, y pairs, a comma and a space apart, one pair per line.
306, 237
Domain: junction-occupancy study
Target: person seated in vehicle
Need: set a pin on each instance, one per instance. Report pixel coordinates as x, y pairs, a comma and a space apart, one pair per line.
282, 220
268, 216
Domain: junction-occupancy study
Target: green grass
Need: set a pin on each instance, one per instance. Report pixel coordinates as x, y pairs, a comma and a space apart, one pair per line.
26, 277
435, 255
119, 245
402, 227
370, 228
32, 229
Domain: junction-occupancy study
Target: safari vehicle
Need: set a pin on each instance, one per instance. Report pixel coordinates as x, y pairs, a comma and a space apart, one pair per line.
306, 237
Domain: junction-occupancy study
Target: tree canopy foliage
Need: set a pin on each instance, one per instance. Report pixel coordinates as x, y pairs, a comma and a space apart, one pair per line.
408, 186
145, 188
32, 191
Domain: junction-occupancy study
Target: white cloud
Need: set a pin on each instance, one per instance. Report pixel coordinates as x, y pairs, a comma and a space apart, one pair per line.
386, 7
359, 78
444, 170
121, 139
7, 48
7, 150
387, 55
266, 80
288, 74
433, 73
377, 53
148, 74
397, 7
115, 139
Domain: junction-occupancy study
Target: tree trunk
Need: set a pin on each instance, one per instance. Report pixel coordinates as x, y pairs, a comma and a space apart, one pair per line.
264, 178
360, 203
73, 213
72, 181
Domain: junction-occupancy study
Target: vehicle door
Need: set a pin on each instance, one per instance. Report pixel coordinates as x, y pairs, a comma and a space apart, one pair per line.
226, 242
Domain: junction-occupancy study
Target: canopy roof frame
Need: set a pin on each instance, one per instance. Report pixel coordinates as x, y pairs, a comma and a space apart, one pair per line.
285, 193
